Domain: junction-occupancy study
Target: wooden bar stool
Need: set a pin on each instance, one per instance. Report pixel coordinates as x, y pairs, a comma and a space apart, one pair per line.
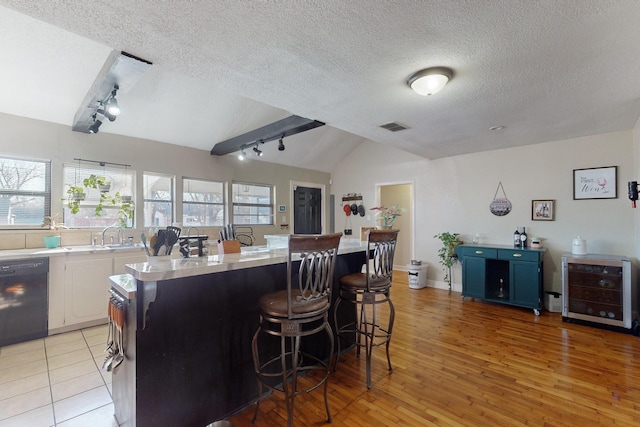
368, 290
299, 311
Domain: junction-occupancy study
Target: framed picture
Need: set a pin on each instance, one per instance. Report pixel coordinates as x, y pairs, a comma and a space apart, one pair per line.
542, 210
595, 183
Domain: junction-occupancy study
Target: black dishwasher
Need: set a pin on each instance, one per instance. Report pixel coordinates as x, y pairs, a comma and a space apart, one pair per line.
23, 300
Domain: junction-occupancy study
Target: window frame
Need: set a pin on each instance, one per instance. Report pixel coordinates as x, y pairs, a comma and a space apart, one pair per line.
81, 170
171, 201
45, 195
222, 205
270, 205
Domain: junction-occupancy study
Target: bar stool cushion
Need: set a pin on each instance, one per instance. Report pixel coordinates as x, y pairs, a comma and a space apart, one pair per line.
358, 282
275, 304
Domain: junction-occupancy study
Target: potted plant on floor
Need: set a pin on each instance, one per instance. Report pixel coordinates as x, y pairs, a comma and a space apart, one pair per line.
53, 240
446, 253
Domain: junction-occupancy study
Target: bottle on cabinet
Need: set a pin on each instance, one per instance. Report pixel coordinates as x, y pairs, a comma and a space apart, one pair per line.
516, 238
523, 239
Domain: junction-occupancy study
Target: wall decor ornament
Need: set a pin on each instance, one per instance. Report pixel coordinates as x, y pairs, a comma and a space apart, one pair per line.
500, 206
595, 183
542, 210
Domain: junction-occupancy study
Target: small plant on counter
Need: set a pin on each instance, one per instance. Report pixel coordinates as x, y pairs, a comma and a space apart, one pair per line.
52, 223
446, 252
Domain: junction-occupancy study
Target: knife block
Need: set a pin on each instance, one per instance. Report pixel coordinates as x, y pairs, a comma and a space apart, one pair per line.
228, 247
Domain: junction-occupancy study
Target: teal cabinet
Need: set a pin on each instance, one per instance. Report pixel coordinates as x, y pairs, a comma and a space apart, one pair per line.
502, 274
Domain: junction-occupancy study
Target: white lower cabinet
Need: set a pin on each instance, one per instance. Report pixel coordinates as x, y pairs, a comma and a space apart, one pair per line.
79, 288
86, 289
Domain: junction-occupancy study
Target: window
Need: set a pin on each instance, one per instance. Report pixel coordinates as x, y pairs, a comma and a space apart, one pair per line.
122, 181
158, 200
252, 204
202, 203
25, 191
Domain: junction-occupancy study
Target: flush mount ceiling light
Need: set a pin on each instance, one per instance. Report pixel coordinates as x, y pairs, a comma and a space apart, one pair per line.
430, 80
280, 145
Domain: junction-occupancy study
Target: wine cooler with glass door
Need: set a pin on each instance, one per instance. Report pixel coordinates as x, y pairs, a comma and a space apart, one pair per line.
599, 290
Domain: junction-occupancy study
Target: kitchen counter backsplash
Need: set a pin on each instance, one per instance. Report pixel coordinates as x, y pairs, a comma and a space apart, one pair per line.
33, 239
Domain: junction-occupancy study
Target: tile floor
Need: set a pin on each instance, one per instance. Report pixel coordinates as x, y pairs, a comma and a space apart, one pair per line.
56, 381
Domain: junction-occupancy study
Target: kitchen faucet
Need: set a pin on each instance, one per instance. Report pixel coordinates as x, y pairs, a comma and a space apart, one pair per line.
120, 233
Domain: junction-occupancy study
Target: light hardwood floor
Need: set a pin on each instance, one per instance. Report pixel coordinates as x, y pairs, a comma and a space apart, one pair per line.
455, 364
471, 363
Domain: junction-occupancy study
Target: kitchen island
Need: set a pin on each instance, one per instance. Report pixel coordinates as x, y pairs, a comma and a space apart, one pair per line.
188, 329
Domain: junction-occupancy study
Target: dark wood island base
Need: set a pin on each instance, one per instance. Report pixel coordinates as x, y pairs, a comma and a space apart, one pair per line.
187, 342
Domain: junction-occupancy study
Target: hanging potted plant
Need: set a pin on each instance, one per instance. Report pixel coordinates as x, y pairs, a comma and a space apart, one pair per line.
101, 184
125, 206
446, 253
98, 182
74, 196
53, 240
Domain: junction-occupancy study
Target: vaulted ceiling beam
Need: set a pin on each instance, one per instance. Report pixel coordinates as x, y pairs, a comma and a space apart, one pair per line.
282, 128
120, 69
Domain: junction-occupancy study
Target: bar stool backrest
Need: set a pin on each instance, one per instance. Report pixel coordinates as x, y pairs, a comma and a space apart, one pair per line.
313, 278
381, 246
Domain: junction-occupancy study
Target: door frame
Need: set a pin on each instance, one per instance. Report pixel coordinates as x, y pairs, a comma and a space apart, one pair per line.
323, 203
411, 210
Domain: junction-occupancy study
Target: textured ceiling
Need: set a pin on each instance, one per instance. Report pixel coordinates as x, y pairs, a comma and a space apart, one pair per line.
546, 70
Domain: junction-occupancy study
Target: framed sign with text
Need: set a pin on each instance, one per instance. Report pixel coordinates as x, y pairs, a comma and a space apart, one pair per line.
595, 183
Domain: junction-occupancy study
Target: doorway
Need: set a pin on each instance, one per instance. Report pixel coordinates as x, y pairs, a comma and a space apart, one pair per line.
400, 194
308, 205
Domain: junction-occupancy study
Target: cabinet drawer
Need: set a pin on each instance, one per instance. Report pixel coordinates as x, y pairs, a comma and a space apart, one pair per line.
477, 252
517, 255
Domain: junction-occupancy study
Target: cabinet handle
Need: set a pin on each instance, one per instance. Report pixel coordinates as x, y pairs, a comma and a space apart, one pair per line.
479, 252
517, 255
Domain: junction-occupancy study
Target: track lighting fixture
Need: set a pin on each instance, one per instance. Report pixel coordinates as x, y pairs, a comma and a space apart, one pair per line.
241, 155
112, 103
258, 151
281, 145
96, 125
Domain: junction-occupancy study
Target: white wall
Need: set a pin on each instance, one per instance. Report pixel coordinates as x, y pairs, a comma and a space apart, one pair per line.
453, 194
38, 139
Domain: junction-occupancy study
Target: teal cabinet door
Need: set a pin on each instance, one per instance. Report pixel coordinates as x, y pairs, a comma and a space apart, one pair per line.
526, 279
474, 271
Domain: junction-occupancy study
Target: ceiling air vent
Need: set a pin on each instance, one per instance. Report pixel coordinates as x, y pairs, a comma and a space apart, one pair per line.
393, 127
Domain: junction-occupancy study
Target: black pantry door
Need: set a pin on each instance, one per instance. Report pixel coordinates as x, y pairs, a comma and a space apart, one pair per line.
307, 210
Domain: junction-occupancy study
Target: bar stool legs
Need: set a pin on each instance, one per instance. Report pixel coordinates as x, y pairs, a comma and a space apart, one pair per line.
366, 327
282, 372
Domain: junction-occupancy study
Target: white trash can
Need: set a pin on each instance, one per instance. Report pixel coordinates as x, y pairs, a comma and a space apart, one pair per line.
417, 276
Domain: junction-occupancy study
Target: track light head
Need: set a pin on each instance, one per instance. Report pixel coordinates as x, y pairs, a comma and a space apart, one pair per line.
281, 145
96, 125
112, 103
241, 155
258, 152
109, 116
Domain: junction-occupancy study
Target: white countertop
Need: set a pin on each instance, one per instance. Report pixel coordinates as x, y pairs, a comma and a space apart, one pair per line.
67, 250
252, 256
